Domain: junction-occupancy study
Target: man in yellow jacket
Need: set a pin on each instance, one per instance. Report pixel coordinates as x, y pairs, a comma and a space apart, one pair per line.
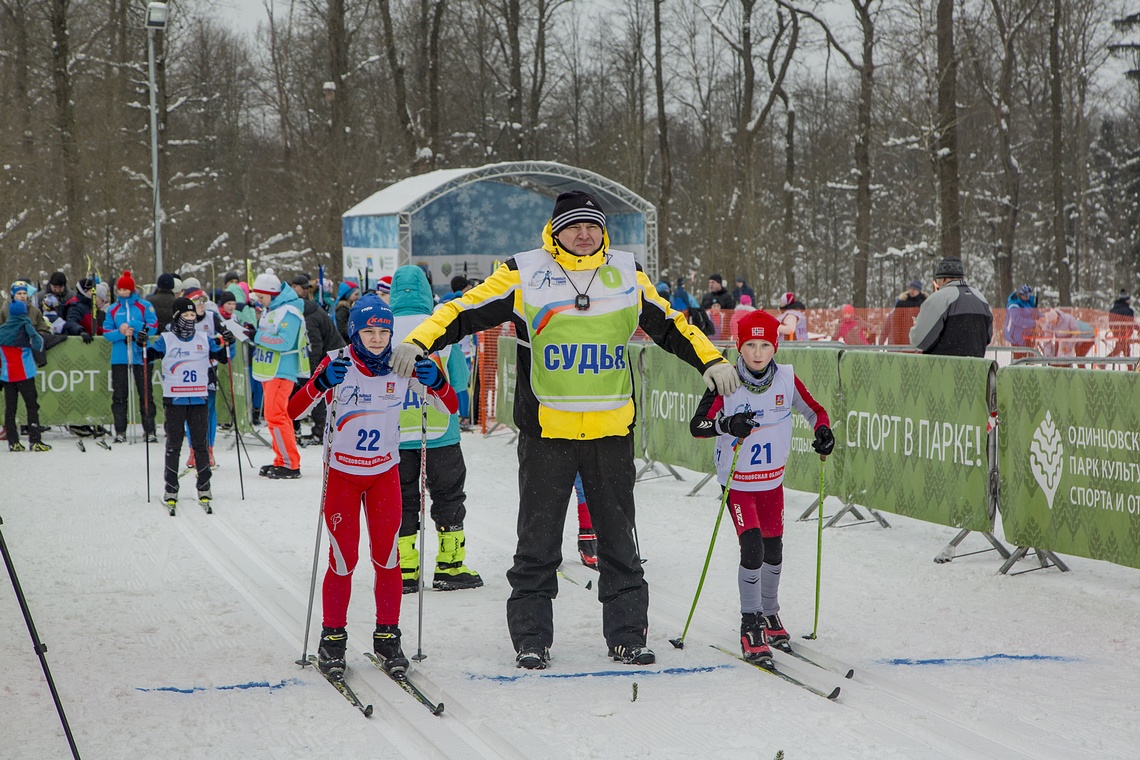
575, 303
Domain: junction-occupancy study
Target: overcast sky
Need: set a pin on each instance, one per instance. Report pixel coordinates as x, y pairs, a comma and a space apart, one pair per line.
241, 15
245, 15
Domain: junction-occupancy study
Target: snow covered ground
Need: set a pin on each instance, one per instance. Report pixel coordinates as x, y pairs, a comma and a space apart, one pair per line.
176, 637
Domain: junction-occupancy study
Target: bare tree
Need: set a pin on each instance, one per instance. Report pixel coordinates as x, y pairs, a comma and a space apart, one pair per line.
1057, 177
866, 12
399, 84
788, 223
1010, 18
748, 120
665, 196
65, 127
946, 144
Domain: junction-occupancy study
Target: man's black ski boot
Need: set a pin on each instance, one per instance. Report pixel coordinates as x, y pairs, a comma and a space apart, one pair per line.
533, 658
633, 654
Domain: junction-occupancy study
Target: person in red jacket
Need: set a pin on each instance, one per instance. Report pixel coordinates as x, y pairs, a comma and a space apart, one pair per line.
362, 451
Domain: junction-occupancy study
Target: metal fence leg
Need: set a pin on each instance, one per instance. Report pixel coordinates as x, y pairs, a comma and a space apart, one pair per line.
999, 547
882, 521
951, 549
807, 512
700, 485
1017, 554
651, 466
847, 507
1045, 554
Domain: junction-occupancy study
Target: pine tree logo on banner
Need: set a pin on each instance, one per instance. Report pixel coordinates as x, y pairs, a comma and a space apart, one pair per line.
1046, 457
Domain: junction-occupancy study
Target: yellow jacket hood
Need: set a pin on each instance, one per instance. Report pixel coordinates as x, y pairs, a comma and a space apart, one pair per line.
569, 261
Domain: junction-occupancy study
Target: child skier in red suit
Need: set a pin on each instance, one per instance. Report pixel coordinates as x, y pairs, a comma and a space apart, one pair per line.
758, 418
361, 453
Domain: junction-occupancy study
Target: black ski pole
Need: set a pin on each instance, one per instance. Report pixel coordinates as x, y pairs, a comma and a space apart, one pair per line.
145, 409
40, 647
330, 428
419, 655
237, 433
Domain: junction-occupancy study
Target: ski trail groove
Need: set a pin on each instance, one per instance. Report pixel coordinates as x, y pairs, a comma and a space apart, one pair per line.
936, 723
403, 723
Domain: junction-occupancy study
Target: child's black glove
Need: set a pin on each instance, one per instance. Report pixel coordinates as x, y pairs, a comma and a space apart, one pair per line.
824, 442
739, 425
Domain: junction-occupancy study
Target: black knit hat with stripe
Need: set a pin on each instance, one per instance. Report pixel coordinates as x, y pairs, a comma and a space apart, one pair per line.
576, 207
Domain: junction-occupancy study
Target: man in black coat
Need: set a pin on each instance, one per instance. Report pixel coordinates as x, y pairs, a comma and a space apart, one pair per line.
323, 339
1122, 321
717, 295
162, 299
956, 320
57, 286
742, 289
79, 312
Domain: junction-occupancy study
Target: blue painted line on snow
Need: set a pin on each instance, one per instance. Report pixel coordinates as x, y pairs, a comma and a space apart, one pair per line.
977, 660
602, 674
231, 687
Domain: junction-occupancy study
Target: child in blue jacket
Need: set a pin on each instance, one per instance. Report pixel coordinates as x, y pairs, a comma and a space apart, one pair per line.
18, 370
129, 315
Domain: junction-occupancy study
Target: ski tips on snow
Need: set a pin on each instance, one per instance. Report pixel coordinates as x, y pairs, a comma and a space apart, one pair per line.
338, 683
768, 666
401, 679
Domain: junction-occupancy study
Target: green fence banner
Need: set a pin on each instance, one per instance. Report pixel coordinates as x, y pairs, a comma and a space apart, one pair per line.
505, 382
818, 370
914, 436
1069, 458
75, 386
673, 390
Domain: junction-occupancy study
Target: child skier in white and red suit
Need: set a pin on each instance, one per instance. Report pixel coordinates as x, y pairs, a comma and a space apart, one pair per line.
361, 451
758, 418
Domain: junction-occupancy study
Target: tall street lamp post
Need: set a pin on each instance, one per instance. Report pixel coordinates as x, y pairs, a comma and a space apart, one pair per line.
155, 22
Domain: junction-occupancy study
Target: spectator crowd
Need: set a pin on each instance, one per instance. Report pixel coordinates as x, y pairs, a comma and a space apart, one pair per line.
36, 316
313, 313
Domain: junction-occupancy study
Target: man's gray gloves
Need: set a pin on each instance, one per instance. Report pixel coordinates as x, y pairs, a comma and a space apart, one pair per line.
404, 357
722, 378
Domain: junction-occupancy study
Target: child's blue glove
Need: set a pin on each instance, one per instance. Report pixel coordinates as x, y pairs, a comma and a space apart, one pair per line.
333, 374
428, 373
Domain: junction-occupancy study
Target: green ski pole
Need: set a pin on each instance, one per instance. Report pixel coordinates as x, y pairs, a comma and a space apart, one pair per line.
818, 552
680, 642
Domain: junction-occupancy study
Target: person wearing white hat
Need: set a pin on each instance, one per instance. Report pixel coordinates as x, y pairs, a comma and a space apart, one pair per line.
280, 356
